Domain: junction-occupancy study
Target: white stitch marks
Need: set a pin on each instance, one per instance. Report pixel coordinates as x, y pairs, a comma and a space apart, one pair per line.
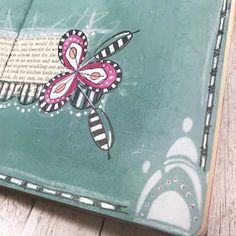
211, 88
61, 194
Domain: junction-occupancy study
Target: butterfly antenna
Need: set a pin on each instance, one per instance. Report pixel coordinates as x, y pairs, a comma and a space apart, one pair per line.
137, 31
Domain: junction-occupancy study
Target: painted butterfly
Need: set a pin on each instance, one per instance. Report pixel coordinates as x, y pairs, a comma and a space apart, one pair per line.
97, 75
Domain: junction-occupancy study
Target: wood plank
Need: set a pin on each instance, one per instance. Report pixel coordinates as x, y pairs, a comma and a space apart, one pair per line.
222, 219
115, 228
15, 209
48, 218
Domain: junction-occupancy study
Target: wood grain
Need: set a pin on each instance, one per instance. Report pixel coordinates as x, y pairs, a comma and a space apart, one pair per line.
222, 219
115, 228
15, 209
49, 218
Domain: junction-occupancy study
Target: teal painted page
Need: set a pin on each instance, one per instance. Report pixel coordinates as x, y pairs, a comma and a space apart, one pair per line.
111, 106
12, 15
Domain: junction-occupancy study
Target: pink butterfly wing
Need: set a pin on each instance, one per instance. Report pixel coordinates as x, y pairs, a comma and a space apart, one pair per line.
101, 76
57, 91
72, 49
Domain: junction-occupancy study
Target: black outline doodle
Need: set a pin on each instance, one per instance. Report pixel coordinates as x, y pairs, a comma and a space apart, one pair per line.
102, 137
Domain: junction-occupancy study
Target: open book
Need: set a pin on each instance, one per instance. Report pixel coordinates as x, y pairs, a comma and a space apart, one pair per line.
114, 106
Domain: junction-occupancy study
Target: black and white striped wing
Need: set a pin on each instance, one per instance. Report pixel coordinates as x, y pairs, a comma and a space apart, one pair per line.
78, 100
30, 93
113, 45
101, 129
6, 91
27, 93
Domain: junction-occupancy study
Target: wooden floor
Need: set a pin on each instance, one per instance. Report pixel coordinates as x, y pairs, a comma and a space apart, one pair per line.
21, 214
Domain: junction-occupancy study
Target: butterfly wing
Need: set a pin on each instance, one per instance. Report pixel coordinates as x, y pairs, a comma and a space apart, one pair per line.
113, 45
57, 91
72, 49
79, 101
101, 76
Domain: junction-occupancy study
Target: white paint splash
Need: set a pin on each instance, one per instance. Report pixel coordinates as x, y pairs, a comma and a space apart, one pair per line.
123, 92
6, 27
6, 23
90, 22
184, 147
146, 166
170, 207
147, 188
193, 177
187, 124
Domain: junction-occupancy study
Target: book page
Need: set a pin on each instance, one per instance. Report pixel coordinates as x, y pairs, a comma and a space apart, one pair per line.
33, 59
6, 45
